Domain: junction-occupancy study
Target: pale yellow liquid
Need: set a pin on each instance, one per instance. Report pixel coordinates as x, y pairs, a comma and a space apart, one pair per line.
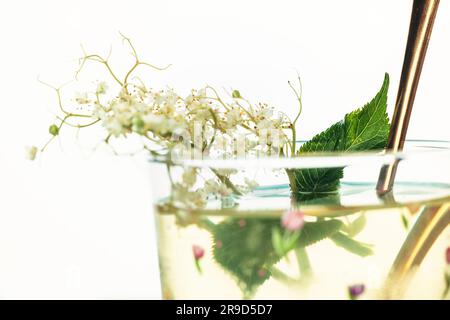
333, 268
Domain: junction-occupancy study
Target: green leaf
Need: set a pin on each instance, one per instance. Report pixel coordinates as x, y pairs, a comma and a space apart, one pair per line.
331, 139
320, 198
250, 247
356, 226
366, 128
313, 232
283, 242
351, 245
246, 250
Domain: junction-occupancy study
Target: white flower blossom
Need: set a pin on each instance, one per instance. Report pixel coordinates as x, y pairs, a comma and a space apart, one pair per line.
190, 177
185, 198
226, 171
99, 113
158, 98
224, 191
264, 125
202, 115
251, 184
201, 124
211, 186
251, 143
114, 126
153, 122
201, 93
264, 113
31, 152
189, 99
101, 88
82, 98
234, 117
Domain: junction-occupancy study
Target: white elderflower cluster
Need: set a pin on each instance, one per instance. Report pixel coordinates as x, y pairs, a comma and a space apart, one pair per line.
199, 124
187, 199
142, 113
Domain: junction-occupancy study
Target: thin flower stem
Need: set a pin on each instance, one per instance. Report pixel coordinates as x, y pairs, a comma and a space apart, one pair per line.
48, 142
150, 138
79, 126
197, 266
207, 224
281, 276
303, 262
96, 58
169, 174
137, 62
245, 110
58, 94
217, 98
227, 182
447, 287
216, 126
54, 136
298, 95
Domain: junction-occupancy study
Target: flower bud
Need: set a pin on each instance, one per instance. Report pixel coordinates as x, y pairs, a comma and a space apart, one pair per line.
53, 130
293, 220
138, 125
236, 94
31, 152
198, 252
356, 290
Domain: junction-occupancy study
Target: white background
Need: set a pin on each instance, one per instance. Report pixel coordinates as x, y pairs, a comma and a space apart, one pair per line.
78, 224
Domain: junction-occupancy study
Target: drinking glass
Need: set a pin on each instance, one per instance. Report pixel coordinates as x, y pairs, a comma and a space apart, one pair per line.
238, 231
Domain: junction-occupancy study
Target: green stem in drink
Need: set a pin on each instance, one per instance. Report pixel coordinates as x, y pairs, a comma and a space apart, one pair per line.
447, 286
281, 276
197, 265
207, 224
303, 262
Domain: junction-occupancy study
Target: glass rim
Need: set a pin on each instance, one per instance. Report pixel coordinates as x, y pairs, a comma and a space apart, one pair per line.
422, 147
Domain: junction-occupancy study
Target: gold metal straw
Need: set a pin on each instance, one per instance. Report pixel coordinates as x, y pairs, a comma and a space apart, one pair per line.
421, 25
433, 220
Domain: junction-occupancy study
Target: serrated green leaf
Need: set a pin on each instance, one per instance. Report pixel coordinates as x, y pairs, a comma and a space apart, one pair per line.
321, 198
308, 184
250, 247
331, 139
355, 226
366, 128
246, 250
312, 183
351, 245
313, 232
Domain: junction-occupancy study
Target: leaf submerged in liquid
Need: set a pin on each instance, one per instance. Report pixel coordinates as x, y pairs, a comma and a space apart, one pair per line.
247, 251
